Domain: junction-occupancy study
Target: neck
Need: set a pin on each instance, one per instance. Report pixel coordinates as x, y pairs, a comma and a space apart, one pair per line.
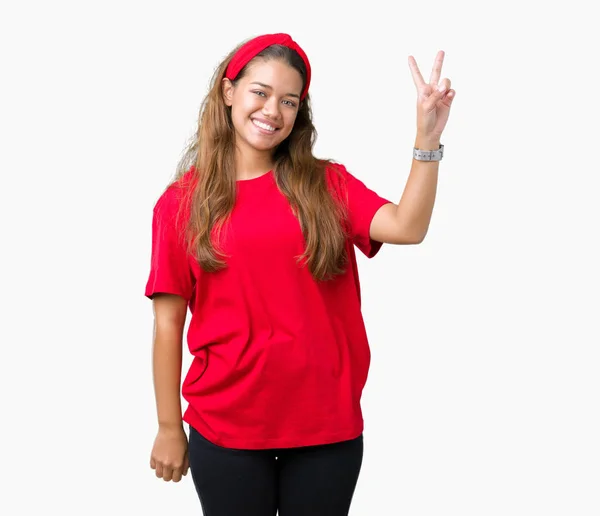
250, 163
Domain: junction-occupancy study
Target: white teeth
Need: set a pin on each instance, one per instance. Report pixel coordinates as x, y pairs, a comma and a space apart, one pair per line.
263, 126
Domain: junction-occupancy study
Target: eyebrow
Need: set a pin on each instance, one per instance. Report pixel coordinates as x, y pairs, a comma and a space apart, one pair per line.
270, 88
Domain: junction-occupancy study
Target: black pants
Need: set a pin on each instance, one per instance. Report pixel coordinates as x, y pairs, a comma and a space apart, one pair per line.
308, 481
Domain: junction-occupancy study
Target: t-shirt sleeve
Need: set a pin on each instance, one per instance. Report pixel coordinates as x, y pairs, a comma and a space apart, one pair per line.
170, 270
362, 204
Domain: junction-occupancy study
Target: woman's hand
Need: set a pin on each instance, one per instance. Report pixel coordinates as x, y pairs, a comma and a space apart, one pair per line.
169, 454
433, 99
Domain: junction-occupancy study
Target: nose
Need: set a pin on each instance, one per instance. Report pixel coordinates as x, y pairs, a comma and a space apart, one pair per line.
271, 108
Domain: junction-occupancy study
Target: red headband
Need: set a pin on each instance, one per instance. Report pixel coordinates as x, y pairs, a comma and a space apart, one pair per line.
252, 48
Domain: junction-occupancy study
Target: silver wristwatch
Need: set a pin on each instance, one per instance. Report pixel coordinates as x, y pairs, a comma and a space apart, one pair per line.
429, 155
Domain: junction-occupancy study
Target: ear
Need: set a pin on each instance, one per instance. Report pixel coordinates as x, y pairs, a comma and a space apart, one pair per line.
227, 87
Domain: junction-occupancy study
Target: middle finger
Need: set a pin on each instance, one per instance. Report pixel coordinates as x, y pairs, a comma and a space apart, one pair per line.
177, 474
167, 473
436, 71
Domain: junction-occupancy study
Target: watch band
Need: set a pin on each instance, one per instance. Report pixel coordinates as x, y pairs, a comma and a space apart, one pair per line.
428, 155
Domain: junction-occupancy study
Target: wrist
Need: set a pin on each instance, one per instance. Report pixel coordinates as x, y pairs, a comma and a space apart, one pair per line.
427, 142
170, 425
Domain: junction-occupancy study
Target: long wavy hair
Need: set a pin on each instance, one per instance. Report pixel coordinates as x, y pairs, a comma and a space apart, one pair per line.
209, 198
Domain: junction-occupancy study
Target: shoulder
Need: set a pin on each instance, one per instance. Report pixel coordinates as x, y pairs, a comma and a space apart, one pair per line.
334, 170
177, 194
340, 181
336, 175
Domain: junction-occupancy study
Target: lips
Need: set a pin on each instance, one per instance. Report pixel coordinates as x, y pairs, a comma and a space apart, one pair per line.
264, 125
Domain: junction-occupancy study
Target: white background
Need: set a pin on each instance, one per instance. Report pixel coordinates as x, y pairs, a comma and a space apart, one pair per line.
483, 396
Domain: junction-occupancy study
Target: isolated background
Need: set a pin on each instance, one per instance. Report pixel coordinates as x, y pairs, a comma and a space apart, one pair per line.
483, 393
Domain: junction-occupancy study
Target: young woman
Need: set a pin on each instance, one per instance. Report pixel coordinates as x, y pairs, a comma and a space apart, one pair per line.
256, 237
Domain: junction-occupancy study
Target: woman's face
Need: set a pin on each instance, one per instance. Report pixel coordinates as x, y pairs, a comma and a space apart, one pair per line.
264, 104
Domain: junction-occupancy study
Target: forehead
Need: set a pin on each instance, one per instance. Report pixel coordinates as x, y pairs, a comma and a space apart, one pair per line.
275, 73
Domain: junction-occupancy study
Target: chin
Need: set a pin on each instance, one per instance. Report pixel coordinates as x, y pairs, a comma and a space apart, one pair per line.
261, 144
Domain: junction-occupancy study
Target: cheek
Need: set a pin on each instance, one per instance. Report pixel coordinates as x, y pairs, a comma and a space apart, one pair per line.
290, 120
245, 105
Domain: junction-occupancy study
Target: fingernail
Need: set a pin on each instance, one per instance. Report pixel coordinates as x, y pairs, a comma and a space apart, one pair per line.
442, 88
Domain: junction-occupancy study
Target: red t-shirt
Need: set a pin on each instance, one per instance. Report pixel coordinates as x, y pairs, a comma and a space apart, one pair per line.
280, 360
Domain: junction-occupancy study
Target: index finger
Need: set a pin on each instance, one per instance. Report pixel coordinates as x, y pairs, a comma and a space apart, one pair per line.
416, 73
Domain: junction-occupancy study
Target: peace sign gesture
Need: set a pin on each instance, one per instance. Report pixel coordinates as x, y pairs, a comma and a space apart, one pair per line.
433, 99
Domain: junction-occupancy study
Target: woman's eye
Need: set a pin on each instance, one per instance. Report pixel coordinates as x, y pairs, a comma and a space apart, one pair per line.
262, 94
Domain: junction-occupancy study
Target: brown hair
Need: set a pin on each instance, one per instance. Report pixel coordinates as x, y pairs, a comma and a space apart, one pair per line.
300, 176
